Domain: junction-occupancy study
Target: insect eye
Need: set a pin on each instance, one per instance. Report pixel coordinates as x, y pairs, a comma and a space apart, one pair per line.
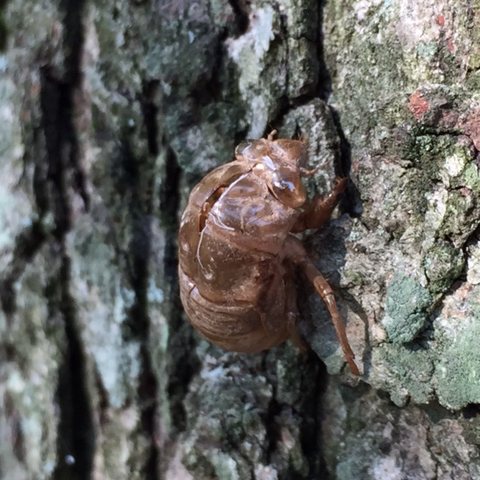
282, 183
287, 187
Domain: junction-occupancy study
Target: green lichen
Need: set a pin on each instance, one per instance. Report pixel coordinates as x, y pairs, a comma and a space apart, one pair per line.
457, 375
425, 154
461, 216
453, 212
427, 50
472, 24
446, 159
405, 312
406, 372
443, 263
471, 177
429, 151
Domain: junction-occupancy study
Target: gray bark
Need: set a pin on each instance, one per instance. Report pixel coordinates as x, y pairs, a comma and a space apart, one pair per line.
110, 112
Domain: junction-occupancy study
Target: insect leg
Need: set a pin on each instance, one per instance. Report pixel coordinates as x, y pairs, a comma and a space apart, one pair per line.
297, 254
321, 208
272, 135
292, 315
325, 291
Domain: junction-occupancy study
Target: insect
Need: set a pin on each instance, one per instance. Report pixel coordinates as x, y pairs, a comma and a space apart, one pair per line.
238, 252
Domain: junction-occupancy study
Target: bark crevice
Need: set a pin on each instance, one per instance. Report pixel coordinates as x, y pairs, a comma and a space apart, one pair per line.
182, 363
76, 438
139, 184
61, 106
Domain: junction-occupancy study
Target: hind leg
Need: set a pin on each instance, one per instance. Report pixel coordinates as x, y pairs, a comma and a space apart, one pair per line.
296, 253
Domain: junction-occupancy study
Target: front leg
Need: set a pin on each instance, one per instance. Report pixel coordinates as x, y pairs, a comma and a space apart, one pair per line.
291, 312
321, 208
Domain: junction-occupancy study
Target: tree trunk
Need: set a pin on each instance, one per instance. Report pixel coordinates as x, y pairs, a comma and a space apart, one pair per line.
111, 112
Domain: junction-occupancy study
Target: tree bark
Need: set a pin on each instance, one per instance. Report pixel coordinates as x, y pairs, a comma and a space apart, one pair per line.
111, 112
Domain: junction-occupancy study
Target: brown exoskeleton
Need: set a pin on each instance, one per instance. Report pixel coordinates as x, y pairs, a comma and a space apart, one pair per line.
238, 254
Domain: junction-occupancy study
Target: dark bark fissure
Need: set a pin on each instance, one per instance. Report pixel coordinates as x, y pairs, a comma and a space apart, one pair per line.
76, 430
311, 431
183, 363
169, 206
148, 384
324, 86
472, 410
150, 114
74, 41
139, 175
272, 427
241, 10
56, 108
313, 384
351, 202
3, 26
76, 436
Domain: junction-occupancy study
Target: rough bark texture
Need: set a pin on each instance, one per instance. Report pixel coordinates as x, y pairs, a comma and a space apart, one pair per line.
110, 111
